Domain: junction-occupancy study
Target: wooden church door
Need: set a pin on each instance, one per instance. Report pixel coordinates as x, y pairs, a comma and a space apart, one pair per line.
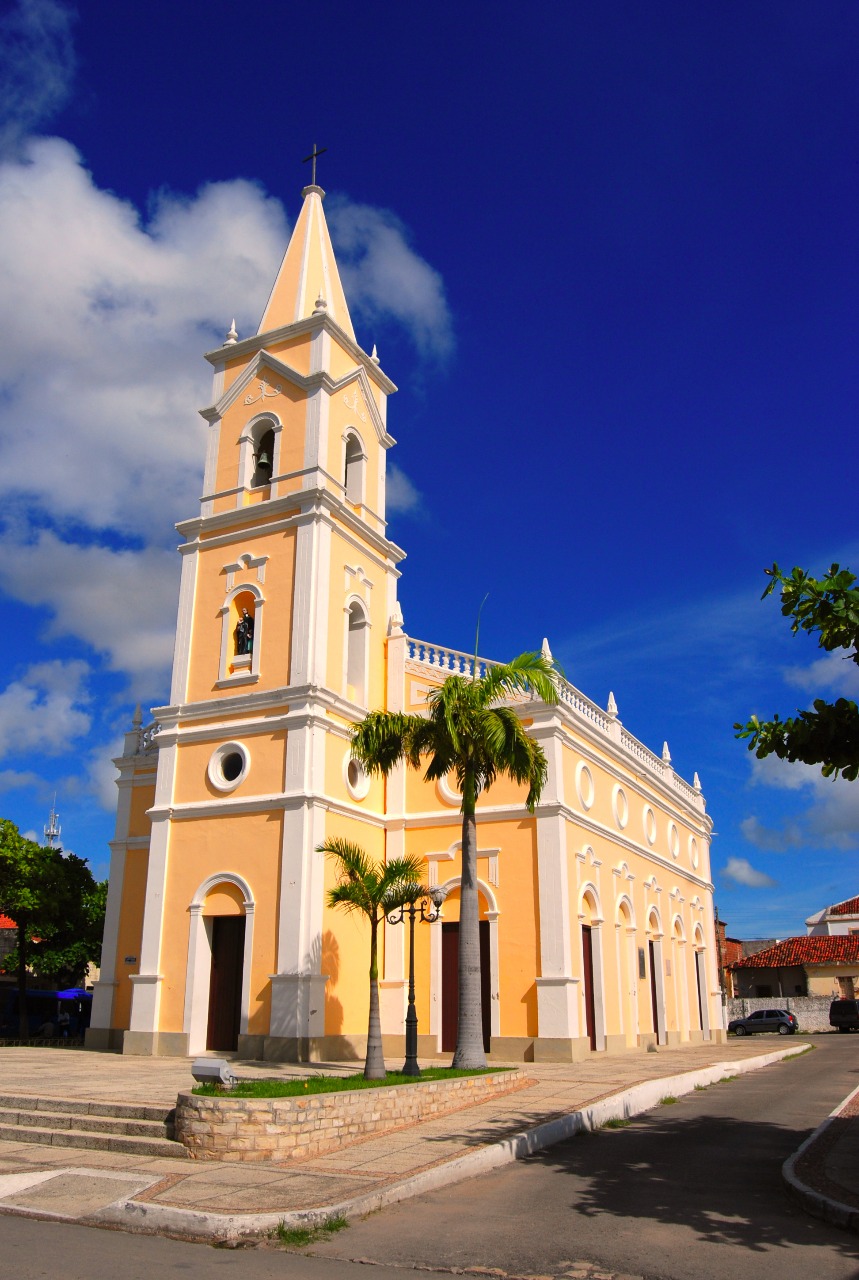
450, 984
225, 983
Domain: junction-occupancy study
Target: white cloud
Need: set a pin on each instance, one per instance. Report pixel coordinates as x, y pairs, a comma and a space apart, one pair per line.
400, 494
741, 871
833, 673
37, 65
772, 839
17, 780
98, 778
383, 276
101, 375
830, 818
121, 603
44, 710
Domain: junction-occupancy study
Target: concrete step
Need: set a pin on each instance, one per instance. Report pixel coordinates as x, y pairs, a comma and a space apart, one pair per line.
92, 1124
87, 1107
128, 1144
142, 1129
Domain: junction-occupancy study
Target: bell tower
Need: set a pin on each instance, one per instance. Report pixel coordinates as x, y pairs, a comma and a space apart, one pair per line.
288, 583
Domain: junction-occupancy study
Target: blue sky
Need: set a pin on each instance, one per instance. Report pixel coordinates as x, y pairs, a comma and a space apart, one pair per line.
607, 252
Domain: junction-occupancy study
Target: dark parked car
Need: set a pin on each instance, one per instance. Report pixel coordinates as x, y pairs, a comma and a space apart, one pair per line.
844, 1014
765, 1020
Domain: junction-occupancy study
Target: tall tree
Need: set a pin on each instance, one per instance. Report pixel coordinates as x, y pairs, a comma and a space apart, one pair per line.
469, 732
827, 607
372, 889
57, 907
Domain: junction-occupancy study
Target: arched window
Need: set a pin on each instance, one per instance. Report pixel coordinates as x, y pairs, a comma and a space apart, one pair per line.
259, 453
263, 460
243, 631
353, 469
356, 653
241, 636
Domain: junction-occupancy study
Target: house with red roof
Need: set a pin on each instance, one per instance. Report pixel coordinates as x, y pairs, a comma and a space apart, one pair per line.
817, 965
836, 921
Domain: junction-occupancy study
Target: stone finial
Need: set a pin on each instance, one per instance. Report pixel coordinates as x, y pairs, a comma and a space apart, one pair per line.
321, 305
666, 754
232, 335
545, 651
611, 707
696, 781
137, 718
395, 623
374, 355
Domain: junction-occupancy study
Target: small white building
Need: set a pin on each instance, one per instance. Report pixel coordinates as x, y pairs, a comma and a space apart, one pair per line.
839, 920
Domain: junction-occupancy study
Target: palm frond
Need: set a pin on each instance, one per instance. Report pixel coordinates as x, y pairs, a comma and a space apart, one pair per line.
527, 673
382, 739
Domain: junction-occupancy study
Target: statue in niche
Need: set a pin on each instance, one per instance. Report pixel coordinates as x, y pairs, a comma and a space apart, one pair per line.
244, 634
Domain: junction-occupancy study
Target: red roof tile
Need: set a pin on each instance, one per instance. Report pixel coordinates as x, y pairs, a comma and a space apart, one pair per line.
842, 949
6, 923
848, 908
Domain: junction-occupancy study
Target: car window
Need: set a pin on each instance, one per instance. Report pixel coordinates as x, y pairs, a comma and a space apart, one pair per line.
761, 1013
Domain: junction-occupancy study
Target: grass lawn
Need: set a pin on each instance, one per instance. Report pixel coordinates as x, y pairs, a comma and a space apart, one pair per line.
300, 1087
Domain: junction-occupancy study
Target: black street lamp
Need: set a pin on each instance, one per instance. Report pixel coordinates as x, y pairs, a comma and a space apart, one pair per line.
429, 911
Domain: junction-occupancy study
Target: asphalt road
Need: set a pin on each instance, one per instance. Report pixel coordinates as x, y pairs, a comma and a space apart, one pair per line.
690, 1191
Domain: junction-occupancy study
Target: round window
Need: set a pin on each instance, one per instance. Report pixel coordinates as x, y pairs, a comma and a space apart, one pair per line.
584, 785
673, 840
693, 852
649, 825
356, 777
228, 766
447, 790
620, 806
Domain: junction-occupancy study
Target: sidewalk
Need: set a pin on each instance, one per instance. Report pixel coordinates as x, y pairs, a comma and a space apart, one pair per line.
823, 1175
211, 1200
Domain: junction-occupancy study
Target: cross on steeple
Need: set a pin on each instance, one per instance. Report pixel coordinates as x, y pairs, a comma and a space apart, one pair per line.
314, 153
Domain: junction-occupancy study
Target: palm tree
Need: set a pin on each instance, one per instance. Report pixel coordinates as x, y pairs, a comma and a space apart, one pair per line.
373, 889
468, 733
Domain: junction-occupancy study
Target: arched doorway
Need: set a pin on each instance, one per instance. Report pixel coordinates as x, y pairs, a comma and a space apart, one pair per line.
701, 983
444, 965
590, 916
627, 972
657, 985
219, 956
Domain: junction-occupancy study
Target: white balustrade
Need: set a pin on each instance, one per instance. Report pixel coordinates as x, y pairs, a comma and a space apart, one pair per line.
453, 662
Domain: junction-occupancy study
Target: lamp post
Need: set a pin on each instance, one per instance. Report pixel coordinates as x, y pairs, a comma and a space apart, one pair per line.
417, 908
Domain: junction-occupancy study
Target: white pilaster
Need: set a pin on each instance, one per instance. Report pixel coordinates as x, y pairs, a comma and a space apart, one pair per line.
184, 625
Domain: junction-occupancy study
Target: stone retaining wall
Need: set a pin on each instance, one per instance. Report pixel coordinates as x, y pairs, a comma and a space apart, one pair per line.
279, 1129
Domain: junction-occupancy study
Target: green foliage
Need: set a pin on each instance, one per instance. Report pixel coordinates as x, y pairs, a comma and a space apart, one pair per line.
469, 734
466, 733
372, 889
300, 1237
616, 1122
668, 1100
299, 1087
828, 735
57, 906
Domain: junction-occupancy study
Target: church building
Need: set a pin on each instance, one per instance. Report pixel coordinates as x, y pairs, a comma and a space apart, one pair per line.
596, 911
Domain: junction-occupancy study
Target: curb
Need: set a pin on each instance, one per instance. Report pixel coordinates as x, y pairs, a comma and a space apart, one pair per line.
140, 1215
815, 1202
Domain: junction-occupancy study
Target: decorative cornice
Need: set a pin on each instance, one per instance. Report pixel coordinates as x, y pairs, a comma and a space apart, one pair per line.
278, 514
306, 382
309, 325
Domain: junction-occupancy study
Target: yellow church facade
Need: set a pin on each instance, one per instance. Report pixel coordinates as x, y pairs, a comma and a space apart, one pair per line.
596, 920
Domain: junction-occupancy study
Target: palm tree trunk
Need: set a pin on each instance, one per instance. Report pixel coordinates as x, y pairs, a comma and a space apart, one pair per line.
469, 1030
374, 1063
